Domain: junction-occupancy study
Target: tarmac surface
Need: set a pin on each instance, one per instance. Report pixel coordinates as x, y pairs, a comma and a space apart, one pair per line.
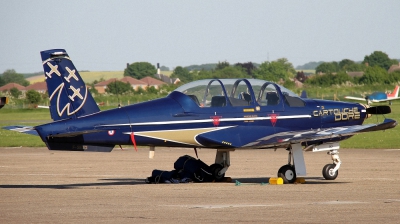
42, 186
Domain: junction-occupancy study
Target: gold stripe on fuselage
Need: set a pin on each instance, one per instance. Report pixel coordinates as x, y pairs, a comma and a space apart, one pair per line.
185, 136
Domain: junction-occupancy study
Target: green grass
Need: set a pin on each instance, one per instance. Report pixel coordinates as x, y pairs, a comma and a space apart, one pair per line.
26, 117
7, 114
380, 139
387, 139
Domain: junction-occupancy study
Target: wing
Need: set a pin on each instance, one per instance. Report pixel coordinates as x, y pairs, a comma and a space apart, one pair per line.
355, 98
327, 134
243, 137
22, 129
372, 100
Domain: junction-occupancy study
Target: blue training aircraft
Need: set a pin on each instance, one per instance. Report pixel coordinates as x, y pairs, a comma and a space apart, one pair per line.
223, 114
377, 97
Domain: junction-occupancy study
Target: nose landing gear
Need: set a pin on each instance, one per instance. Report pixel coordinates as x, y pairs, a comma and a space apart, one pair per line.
331, 171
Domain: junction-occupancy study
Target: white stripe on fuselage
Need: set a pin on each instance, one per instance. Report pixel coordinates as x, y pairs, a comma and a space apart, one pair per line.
208, 120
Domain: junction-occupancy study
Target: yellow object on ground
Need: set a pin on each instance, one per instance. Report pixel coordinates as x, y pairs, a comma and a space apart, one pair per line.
275, 180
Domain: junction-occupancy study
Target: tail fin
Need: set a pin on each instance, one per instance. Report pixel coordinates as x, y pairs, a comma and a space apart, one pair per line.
69, 96
395, 93
303, 94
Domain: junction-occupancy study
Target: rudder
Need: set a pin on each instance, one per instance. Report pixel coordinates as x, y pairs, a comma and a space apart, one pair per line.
69, 96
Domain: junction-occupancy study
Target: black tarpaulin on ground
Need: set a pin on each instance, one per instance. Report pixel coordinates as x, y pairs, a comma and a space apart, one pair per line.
187, 169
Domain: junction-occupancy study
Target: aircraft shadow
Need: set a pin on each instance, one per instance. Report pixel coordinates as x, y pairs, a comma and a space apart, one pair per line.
110, 182
133, 181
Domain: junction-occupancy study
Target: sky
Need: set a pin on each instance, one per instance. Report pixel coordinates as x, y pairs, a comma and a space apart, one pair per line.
106, 35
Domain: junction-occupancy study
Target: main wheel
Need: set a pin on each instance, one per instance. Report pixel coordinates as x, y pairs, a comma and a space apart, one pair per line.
328, 173
215, 168
287, 173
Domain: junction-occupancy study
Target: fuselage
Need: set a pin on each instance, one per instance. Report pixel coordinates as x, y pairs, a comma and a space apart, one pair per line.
179, 120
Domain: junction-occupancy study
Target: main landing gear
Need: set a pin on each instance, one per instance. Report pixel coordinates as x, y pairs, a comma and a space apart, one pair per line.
222, 163
288, 172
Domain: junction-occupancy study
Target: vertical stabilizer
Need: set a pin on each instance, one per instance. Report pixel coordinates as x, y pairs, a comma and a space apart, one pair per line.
395, 92
69, 96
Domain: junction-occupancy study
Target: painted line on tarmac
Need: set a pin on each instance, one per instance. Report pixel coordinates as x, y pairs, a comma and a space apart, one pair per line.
221, 206
338, 202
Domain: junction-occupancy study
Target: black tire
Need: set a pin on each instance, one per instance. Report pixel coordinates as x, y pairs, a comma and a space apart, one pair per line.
287, 173
327, 172
215, 168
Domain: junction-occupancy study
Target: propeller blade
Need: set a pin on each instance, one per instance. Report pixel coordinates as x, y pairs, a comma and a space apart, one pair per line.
379, 110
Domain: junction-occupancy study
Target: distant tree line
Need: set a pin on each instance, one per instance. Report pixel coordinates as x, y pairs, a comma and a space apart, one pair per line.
11, 76
374, 66
280, 69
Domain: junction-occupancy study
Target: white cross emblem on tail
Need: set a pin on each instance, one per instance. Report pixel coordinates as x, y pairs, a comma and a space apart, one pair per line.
76, 93
71, 74
53, 69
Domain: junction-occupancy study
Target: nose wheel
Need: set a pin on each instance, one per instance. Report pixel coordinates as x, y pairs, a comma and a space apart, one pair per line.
331, 171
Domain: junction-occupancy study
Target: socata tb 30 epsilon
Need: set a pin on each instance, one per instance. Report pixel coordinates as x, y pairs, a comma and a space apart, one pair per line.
223, 114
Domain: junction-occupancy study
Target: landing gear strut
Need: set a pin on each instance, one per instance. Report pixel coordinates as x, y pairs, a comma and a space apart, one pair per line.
288, 172
331, 171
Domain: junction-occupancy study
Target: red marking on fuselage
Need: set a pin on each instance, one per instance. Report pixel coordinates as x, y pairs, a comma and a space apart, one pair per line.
133, 141
274, 118
216, 120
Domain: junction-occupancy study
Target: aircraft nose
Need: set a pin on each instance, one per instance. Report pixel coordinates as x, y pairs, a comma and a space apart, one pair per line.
366, 106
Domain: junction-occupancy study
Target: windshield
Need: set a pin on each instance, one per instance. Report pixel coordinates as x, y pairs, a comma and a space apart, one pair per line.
236, 92
197, 87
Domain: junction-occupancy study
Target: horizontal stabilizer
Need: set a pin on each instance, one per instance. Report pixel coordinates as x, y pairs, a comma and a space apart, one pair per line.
22, 129
66, 146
